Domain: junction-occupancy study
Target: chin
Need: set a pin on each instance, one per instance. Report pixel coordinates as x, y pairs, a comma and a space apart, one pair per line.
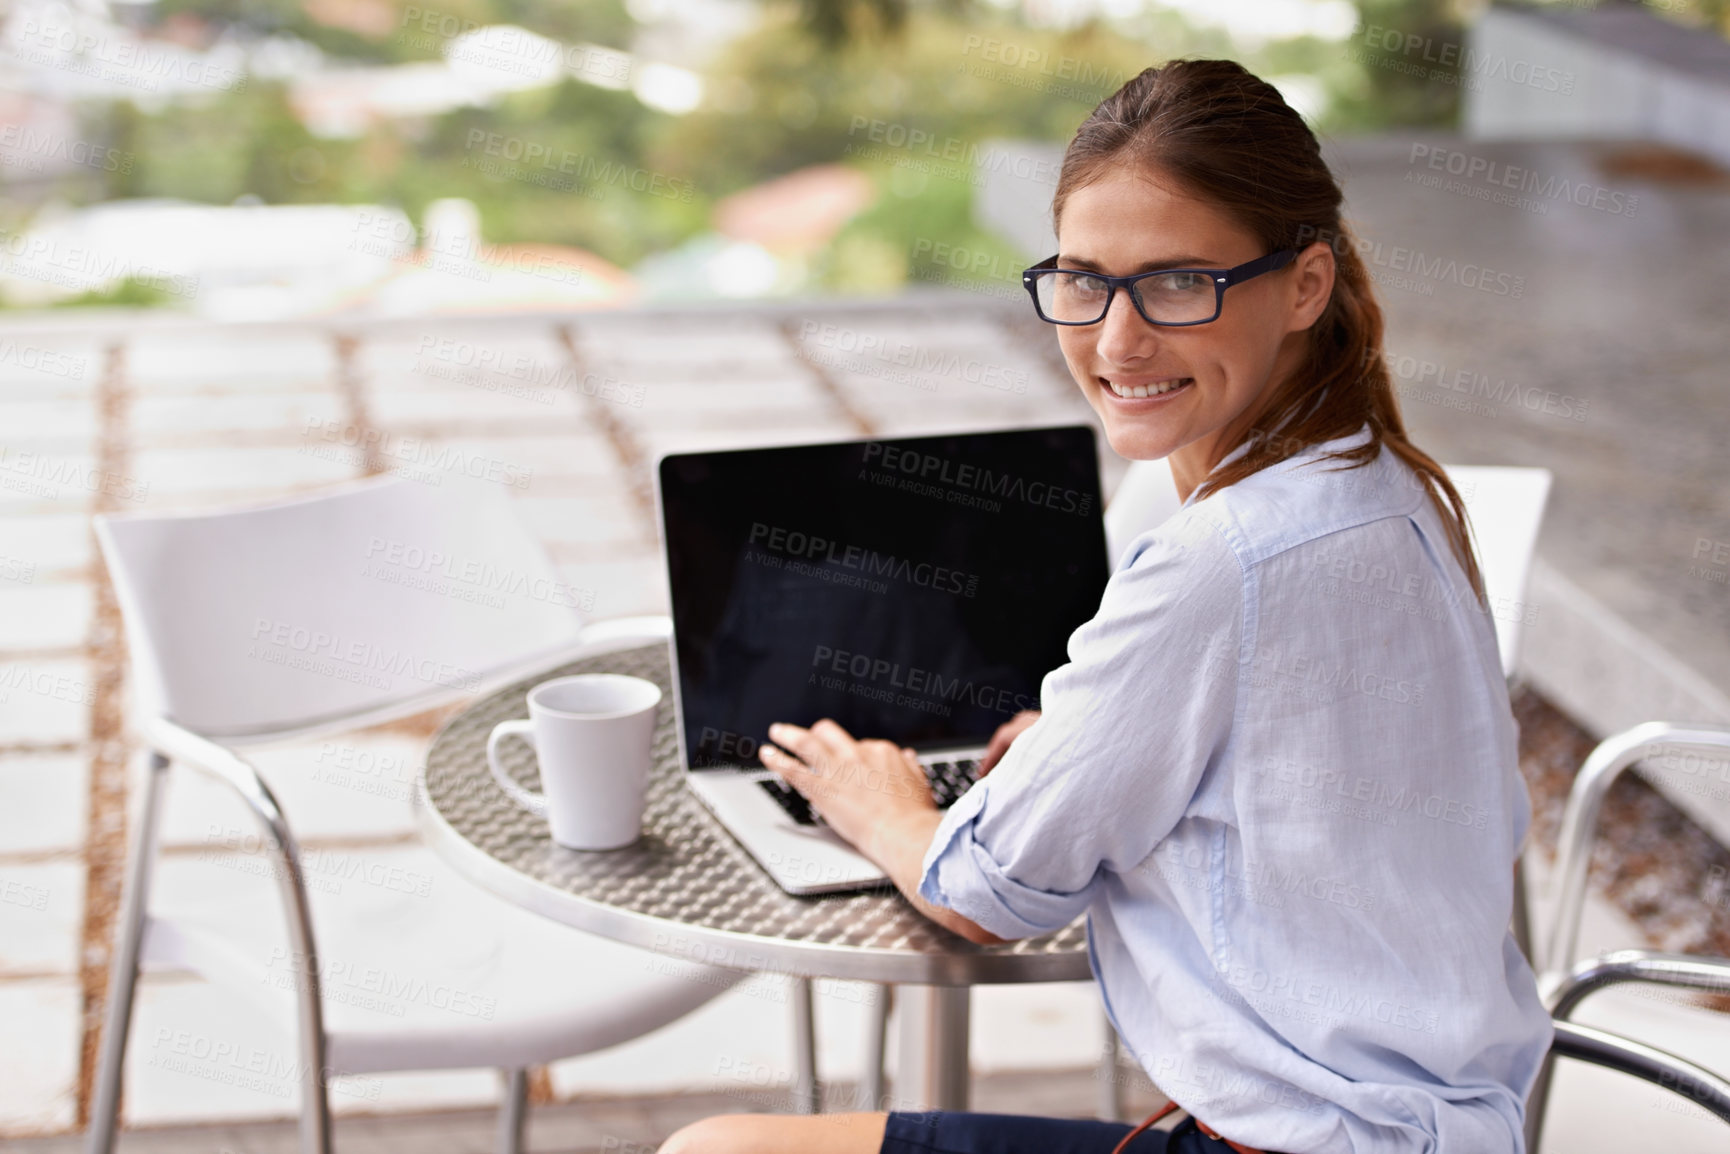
1137, 442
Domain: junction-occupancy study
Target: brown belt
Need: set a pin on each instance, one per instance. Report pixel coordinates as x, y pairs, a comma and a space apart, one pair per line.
1199, 1125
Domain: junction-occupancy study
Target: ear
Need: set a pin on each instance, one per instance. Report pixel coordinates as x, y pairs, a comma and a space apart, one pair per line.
1312, 285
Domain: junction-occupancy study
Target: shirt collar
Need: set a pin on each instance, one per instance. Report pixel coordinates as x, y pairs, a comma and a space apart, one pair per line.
1308, 453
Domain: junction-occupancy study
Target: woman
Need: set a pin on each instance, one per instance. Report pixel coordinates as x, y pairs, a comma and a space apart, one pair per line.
1279, 769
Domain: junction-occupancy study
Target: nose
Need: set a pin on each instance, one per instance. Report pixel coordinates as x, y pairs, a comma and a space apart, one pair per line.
1124, 334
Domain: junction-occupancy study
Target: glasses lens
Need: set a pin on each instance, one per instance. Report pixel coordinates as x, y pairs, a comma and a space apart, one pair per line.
1072, 297
1177, 297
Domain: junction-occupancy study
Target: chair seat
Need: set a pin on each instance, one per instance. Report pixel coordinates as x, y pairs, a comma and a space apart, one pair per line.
421, 970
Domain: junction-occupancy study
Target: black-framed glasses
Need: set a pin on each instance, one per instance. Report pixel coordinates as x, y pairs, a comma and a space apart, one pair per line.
1167, 296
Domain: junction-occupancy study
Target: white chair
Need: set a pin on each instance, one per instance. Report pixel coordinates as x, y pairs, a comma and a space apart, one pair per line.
374, 601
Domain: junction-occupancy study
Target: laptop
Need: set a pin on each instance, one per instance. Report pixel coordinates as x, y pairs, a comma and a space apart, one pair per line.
915, 589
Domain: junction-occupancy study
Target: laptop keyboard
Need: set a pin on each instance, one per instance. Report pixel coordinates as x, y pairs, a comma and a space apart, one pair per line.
948, 781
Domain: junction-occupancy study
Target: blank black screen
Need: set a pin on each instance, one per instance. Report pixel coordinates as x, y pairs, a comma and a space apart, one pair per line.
916, 590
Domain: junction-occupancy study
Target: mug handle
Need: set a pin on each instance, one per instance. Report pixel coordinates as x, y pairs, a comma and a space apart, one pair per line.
534, 802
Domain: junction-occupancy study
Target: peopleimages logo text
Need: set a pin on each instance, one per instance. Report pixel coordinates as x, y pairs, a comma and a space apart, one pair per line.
932, 467
811, 547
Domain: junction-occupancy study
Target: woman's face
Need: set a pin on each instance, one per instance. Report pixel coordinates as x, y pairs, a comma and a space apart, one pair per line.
1215, 376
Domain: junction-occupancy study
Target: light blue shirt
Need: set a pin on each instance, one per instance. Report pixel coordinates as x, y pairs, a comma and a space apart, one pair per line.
1278, 774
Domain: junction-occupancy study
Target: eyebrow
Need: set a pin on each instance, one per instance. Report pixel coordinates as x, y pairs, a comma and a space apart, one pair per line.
1145, 266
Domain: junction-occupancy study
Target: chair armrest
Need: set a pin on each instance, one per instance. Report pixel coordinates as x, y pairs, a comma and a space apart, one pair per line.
1580, 817
1646, 967
1678, 1075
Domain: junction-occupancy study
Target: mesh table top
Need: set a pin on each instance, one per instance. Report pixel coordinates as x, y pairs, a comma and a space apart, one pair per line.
686, 887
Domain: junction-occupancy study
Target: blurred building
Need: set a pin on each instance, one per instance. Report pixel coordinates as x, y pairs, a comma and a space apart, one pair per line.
1615, 72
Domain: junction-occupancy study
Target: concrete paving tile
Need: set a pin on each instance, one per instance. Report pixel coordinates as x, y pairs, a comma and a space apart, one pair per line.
428, 347
41, 913
657, 441
189, 419
539, 453
44, 701
35, 478
626, 339
44, 615
69, 423
46, 799
713, 371
38, 365
171, 473
36, 547
171, 361
836, 328
457, 405
38, 1055
683, 400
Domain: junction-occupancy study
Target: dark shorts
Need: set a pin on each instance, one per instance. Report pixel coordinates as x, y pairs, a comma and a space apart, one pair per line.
952, 1132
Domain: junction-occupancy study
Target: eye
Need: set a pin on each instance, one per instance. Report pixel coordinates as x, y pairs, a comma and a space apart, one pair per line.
1179, 283
1084, 286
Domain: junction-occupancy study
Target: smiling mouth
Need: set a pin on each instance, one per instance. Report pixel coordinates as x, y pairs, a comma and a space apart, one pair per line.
1150, 389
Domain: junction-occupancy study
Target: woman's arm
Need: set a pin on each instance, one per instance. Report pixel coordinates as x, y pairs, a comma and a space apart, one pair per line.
899, 847
874, 794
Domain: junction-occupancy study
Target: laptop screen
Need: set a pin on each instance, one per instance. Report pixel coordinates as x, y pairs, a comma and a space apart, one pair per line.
915, 589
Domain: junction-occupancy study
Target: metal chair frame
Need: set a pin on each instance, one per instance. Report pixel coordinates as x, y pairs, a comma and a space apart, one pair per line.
1566, 982
1645, 967
169, 742
1602, 767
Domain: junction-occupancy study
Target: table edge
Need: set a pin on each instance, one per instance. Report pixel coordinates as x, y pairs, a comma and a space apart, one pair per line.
717, 947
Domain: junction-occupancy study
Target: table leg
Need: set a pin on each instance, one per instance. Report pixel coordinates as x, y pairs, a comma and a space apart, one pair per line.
876, 1041
932, 1072
807, 1095
1108, 1106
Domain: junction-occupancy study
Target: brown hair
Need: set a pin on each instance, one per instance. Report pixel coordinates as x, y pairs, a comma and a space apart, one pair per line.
1230, 139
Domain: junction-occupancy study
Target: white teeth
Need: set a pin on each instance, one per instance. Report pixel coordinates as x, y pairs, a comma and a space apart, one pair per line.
1146, 390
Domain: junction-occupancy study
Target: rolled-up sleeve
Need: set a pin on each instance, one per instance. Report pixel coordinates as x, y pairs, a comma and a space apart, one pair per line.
1128, 727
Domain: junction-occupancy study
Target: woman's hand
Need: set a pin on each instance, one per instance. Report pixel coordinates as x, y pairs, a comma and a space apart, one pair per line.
874, 794
858, 786
1005, 737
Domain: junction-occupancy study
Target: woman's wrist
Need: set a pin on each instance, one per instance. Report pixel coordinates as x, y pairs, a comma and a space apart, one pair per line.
899, 846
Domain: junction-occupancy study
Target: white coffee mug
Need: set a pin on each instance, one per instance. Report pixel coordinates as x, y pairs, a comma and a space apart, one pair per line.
592, 734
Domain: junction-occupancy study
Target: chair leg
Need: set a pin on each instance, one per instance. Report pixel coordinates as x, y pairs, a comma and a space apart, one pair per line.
807, 1095
876, 1041
513, 1109
315, 1135
1522, 924
1538, 1103
123, 966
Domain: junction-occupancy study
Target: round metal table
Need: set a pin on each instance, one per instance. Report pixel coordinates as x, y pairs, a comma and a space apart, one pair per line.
686, 888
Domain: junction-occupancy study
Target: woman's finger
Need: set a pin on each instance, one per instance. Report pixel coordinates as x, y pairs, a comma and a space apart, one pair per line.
835, 745
796, 741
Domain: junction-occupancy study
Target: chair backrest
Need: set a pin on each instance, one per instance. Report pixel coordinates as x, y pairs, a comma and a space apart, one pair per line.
373, 599
1505, 505
1143, 500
